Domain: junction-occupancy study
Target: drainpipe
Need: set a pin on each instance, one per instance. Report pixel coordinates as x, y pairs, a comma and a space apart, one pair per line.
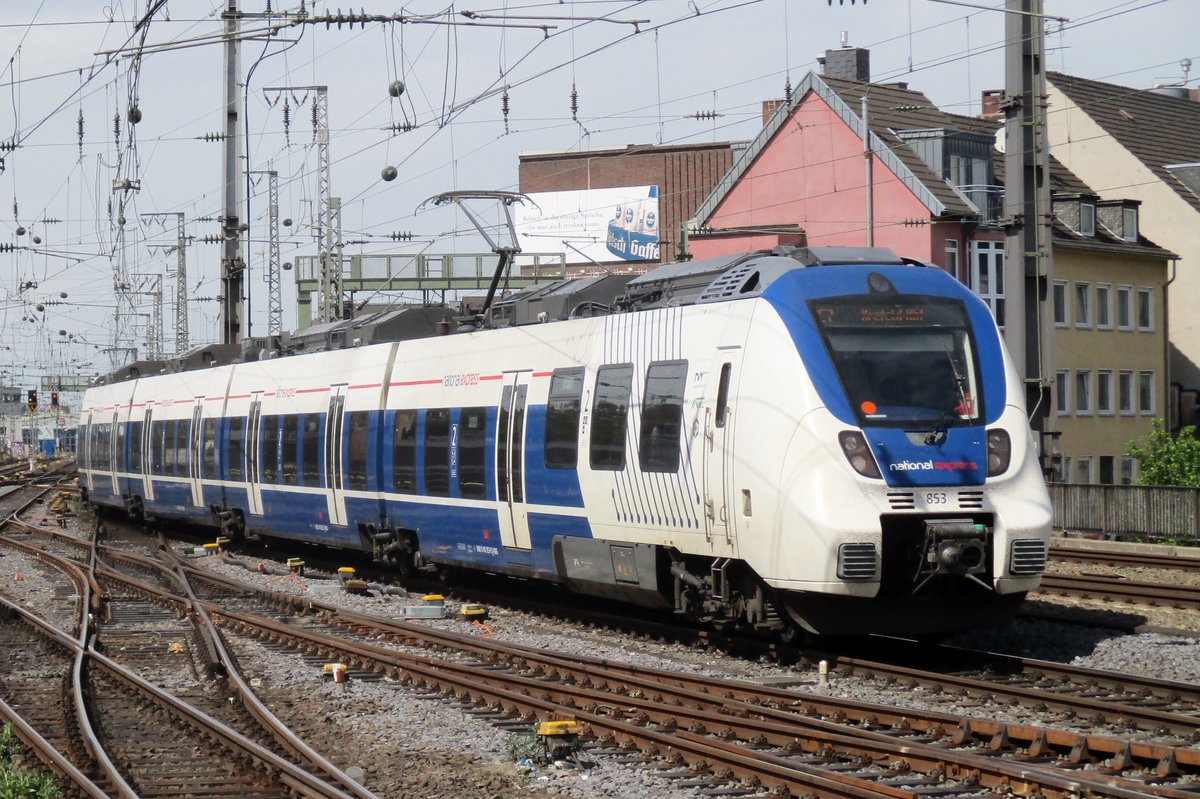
866, 137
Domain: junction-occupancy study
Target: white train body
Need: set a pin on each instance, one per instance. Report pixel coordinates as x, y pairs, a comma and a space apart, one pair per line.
706, 456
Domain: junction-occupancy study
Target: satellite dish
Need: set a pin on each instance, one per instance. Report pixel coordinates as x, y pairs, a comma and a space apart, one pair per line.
1000, 135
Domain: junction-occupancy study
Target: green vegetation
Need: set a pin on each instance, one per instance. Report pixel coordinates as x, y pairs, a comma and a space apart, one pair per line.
518, 747
16, 783
1166, 461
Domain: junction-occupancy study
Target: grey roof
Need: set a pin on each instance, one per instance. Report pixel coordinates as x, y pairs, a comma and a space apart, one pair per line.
1156, 129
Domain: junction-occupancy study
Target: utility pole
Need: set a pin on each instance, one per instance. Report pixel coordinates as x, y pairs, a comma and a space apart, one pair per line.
328, 210
181, 291
274, 297
232, 264
1028, 266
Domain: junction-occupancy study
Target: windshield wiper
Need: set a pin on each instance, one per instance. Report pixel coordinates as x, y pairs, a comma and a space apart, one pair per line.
953, 410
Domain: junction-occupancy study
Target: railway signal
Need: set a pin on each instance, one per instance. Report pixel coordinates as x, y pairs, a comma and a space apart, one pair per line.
33, 400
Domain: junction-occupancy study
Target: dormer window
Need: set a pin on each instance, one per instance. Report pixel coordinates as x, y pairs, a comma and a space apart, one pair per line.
1087, 219
1129, 226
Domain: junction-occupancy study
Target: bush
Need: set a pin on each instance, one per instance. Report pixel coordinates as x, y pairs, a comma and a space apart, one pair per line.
16, 783
1166, 461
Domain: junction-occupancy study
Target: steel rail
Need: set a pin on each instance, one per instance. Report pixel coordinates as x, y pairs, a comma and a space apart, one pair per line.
1179, 596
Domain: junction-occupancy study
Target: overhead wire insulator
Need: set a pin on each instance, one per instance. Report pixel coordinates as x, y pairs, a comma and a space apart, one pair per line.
117, 128
400, 235
316, 120
504, 108
574, 104
787, 91
287, 122
79, 131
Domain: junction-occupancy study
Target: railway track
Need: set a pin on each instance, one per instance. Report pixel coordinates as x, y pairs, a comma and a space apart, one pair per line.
1113, 589
108, 730
662, 705
1189, 562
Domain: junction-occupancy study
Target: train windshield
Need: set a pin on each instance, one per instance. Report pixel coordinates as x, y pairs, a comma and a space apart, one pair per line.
903, 361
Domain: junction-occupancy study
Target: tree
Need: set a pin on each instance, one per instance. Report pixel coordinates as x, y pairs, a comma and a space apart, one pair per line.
1166, 461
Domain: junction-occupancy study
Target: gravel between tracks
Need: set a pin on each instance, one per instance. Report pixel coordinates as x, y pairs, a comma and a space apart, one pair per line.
409, 744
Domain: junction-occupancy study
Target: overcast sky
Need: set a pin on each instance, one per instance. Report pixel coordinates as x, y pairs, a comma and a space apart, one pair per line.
643, 75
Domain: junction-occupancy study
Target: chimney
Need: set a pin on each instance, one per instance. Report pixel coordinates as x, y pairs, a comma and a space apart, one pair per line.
990, 103
769, 107
847, 63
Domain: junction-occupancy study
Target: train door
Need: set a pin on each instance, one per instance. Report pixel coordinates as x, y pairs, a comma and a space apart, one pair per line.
334, 436
84, 451
195, 444
718, 454
253, 446
147, 445
116, 454
510, 461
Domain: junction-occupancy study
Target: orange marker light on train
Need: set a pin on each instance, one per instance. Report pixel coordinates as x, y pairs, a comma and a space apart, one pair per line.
868, 407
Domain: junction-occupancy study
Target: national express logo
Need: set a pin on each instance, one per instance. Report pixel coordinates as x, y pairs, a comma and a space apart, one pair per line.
633, 229
931, 466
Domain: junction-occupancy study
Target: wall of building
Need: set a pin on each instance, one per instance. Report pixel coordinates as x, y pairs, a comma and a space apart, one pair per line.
1093, 347
685, 176
1164, 217
812, 174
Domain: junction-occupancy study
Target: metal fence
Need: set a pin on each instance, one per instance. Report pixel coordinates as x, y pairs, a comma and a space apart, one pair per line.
1152, 512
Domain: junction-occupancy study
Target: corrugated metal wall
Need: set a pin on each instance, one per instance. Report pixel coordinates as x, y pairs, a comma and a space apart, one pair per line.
1154, 512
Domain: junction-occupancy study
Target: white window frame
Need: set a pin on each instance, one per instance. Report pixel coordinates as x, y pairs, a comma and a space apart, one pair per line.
1104, 310
1086, 464
1083, 398
1148, 292
1087, 219
1125, 379
1146, 380
987, 276
1062, 291
1129, 230
1083, 304
1104, 392
1125, 303
1062, 392
952, 259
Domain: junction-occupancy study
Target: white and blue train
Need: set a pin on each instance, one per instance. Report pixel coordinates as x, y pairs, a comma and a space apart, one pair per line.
824, 439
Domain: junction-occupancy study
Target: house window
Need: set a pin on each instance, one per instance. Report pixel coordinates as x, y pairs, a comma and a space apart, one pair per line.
1129, 224
1083, 305
1087, 219
1083, 469
1145, 309
1125, 393
1104, 307
1127, 470
1146, 393
1107, 462
1124, 308
952, 257
1062, 392
1104, 392
1061, 317
1083, 391
987, 275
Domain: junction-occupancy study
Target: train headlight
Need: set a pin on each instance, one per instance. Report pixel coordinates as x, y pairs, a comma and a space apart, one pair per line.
999, 450
854, 447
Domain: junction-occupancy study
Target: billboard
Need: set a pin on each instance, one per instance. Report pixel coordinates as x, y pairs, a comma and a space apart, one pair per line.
597, 224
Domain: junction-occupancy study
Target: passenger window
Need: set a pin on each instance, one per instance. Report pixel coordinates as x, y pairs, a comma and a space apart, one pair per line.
404, 452
158, 436
356, 461
183, 434
562, 419
135, 447
437, 452
289, 442
237, 447
121, 430
311, 446
210, 449
723, 394
269, 467
662, 416
609, 410
472, 453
